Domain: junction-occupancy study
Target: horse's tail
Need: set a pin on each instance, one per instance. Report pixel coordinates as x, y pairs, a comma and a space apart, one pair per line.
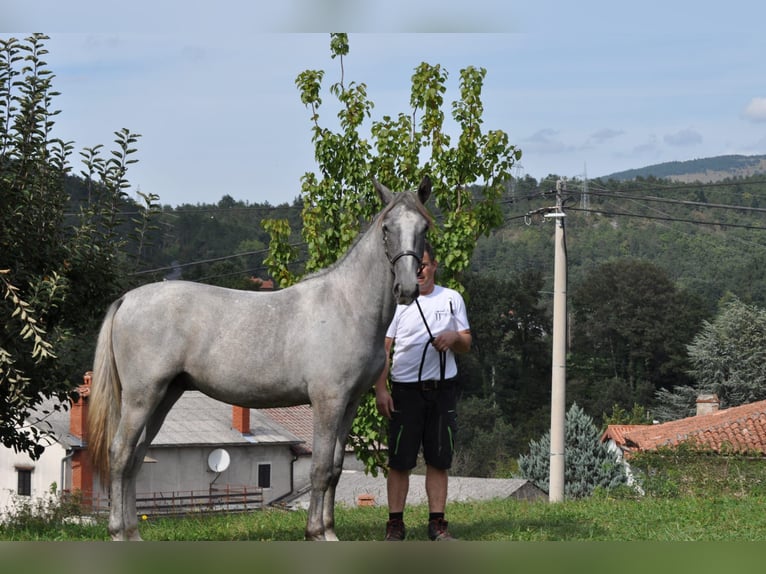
105, 396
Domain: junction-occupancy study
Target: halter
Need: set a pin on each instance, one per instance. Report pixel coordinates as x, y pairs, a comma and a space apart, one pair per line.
406, 253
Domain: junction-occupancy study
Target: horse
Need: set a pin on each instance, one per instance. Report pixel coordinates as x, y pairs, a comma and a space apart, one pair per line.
319, 342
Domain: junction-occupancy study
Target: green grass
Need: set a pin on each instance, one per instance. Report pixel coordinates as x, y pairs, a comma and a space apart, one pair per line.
599, 518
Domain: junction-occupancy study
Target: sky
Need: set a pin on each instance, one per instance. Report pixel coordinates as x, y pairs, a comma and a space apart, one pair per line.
584, 88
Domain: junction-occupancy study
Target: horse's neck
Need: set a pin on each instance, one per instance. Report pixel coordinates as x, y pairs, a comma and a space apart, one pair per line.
367, 267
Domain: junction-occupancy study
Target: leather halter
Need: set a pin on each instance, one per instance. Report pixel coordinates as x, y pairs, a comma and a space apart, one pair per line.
406, 253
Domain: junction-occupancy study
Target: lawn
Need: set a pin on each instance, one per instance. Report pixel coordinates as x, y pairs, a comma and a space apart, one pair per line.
599, 534
596, 519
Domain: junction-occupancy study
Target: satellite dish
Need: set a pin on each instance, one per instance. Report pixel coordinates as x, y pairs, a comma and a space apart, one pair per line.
218, 460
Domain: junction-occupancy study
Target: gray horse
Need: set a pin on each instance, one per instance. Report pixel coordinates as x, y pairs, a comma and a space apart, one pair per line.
320, 341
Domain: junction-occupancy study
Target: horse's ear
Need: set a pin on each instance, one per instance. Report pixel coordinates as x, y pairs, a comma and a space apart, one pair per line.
424, 191
385, 194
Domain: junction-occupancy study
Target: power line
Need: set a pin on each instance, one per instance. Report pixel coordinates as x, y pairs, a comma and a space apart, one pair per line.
687, 186
668, 218
211, 260
618, 195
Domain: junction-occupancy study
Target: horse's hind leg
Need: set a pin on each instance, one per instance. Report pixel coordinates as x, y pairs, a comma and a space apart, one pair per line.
138, 426
123, 522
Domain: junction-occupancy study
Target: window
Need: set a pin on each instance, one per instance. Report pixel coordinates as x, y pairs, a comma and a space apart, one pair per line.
264, 475
25, 481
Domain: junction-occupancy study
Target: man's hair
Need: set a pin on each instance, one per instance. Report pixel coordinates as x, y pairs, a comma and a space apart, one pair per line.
428, 248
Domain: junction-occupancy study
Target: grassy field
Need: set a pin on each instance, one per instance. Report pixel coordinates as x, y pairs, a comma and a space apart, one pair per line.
703, 535
597, 519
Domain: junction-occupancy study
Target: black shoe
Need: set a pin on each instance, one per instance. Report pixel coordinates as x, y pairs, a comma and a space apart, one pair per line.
395, 530
437, 530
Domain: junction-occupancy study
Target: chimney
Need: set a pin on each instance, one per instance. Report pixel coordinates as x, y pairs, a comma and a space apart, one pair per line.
707, 404
78, 415
240, 419
81, 465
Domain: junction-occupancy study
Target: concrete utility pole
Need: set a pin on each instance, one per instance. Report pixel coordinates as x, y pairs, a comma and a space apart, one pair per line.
558, 374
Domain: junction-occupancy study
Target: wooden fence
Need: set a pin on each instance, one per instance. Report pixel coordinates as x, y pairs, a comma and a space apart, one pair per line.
178, 503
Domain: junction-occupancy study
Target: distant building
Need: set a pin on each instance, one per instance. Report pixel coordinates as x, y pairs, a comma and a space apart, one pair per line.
261, 453
739, 429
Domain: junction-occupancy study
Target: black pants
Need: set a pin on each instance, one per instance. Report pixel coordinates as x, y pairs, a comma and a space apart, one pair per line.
426, 418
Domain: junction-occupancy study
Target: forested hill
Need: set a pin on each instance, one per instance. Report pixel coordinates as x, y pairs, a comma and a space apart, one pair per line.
705, 170
710, 238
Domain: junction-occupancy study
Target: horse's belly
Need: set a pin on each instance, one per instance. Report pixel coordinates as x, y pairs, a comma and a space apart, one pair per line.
248, 388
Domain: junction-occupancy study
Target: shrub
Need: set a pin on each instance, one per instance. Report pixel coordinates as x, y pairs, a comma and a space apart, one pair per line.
588, 464
688, 469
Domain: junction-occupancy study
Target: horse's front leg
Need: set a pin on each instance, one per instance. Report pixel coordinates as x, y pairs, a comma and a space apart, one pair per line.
320, 480
339, 454
326, 423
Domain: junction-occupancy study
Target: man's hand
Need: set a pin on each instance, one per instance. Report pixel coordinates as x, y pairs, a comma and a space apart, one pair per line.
384, 401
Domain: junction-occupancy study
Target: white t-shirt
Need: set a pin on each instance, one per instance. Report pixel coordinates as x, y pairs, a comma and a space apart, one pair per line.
444, 310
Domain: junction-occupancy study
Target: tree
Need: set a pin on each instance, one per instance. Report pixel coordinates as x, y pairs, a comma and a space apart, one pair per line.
483, 446
56, 274
631, 325
589, 464
510, 360
727, 358
341, 198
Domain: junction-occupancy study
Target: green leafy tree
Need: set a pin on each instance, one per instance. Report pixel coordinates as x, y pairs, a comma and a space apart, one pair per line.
638, 415
728, 358
340, 198
57, 273
510, 361
484, 440
630, 330
588, 463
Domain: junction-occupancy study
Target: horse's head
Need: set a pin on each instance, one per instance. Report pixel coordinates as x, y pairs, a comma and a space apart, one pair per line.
404, 222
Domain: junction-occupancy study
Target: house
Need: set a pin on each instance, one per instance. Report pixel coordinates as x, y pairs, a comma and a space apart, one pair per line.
204, 446
299, 421
737, 429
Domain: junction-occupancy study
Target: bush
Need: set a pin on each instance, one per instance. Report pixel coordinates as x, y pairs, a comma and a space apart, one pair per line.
690, 470
588, 465
47, 518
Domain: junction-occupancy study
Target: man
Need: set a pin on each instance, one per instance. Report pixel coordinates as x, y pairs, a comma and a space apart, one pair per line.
420, 405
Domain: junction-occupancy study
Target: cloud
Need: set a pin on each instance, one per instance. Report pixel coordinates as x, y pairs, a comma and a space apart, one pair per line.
649, 147
755, 111
683, 138
546, 141
603, 135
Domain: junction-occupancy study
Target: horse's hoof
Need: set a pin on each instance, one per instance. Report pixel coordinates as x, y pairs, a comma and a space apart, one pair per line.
327, 536
126, 537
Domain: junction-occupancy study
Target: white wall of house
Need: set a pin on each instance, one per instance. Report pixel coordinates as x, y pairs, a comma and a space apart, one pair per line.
187, 468
302, 469
619, 456
46, 471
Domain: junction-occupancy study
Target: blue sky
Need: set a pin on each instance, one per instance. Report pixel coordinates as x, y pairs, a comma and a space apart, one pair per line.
589, 87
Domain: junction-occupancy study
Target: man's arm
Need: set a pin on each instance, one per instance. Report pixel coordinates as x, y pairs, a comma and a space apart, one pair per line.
383, 399
455, 341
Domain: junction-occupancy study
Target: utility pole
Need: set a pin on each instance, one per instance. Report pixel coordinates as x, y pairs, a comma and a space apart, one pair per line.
585, 198
558, 371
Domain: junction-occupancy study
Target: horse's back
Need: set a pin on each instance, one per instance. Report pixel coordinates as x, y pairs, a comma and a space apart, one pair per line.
244, 347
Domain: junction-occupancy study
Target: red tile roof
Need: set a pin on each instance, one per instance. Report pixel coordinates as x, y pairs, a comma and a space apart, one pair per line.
739, 429
299, 420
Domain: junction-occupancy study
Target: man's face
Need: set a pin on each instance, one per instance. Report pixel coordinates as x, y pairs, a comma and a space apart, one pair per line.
426, 275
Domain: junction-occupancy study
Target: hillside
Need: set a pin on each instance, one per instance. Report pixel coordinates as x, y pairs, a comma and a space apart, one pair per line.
705, 170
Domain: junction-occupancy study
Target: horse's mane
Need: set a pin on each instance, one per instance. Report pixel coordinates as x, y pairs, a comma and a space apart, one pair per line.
376, 221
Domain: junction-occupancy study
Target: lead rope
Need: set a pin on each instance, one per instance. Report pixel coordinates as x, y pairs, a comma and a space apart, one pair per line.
442, 354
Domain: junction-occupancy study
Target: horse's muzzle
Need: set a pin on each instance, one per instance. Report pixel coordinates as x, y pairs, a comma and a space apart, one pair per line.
405, 297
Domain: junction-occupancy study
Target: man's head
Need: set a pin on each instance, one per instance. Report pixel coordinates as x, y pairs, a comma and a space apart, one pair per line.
427, 270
